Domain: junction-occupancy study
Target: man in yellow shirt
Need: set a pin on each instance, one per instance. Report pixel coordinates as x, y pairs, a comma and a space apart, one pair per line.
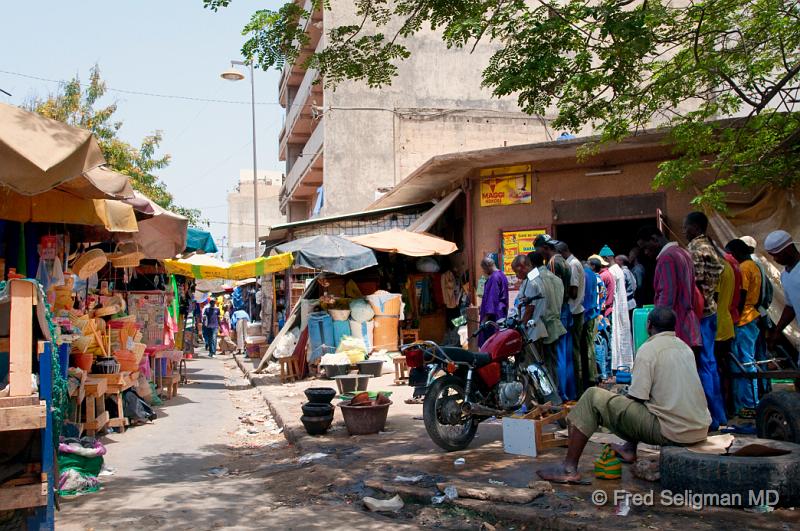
744, 346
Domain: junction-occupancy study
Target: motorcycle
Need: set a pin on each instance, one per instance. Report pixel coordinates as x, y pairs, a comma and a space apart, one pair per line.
464, 388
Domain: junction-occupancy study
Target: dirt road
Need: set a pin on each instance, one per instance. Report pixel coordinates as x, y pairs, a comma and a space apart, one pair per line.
213, 459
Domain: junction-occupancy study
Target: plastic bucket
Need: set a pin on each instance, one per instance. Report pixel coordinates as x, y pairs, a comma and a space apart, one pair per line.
371, 367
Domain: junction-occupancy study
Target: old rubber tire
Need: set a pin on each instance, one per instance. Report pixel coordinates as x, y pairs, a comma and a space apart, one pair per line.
778, 416
446, 441
683, 470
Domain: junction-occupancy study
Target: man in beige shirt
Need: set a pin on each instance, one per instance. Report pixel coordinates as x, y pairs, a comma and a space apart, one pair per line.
665, 403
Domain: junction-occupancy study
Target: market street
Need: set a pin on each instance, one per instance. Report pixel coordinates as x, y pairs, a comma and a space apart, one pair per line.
164, 473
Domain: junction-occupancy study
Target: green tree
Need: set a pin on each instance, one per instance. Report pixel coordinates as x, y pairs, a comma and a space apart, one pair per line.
616, 65
79, 106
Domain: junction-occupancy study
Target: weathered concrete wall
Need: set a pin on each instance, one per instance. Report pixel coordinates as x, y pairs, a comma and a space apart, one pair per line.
436, 105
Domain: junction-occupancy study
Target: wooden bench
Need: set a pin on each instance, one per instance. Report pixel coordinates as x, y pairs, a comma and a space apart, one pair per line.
96, 416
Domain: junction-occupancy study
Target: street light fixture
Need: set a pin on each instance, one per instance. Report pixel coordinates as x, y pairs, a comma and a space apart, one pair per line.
233, 74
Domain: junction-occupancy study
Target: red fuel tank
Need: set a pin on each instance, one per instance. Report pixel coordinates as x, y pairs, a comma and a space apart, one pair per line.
503, 344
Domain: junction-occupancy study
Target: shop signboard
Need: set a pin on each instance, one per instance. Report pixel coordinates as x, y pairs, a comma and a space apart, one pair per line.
517, 242
509, 185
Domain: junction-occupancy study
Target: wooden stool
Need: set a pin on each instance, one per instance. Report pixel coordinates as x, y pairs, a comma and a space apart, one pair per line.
541, 417
96, 414
288, 370
408, 336
400, 368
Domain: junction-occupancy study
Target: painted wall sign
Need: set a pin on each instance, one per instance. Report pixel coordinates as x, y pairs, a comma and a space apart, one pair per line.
515, 243
509, 185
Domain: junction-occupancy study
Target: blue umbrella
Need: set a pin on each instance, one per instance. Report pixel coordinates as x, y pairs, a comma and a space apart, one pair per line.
199, 240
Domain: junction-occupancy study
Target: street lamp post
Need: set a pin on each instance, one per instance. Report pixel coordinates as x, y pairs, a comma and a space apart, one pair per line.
232, 74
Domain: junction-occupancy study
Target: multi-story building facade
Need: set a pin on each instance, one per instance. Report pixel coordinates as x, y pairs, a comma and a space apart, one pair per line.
345, 147
241, 236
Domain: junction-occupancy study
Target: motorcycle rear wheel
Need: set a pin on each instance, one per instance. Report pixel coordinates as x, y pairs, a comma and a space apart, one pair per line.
447, 437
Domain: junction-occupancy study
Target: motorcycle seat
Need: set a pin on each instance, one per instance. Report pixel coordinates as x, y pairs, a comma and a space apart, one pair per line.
479, 359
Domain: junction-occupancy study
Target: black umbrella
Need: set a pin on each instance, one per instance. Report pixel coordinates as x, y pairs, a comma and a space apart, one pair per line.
329, 253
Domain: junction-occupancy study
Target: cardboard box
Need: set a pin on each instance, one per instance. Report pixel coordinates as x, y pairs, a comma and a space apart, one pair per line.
519, 436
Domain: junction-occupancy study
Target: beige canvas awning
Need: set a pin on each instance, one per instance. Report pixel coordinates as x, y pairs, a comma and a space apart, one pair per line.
406, 242
37, 153
56, 206
161, 236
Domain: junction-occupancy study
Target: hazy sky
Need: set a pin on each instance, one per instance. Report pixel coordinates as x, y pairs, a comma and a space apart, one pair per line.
172, 47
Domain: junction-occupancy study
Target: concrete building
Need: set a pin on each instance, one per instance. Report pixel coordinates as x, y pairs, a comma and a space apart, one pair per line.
240, 211
345, 147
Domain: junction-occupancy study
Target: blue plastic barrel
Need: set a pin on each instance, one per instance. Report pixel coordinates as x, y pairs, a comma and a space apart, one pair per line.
340, 329
320, 333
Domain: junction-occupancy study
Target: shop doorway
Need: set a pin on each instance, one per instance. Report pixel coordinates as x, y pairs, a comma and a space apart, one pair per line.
585, 239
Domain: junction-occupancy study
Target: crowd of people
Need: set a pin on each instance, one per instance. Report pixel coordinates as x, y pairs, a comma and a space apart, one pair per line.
709, 322
580, 314
219, 324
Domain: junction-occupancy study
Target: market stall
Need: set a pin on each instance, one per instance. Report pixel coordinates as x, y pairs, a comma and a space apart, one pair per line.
362, 305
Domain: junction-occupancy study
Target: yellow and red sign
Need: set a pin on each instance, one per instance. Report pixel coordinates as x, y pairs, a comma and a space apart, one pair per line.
510, 185
515, 243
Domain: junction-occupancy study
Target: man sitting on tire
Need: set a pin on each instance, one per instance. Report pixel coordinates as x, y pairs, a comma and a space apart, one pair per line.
665, 405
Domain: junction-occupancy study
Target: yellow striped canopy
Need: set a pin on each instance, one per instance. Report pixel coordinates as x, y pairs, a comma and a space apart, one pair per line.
202, 266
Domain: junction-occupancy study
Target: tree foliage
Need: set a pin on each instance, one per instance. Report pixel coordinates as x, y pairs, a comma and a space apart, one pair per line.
618, 66
79, 105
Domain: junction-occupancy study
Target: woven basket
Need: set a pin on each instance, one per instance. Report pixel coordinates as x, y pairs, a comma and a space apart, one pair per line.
89, 263
125, 258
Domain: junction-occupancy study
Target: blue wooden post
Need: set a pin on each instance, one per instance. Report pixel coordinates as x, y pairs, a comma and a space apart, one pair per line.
44, 517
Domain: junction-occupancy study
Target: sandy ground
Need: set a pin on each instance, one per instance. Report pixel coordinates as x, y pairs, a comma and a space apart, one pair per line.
213, 459
218, 457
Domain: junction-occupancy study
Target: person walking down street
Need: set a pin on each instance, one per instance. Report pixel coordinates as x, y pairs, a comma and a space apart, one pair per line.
558, 266
745, 391
494, 303
783, 250
553, 291
239, 320
665, 403
674, 282
576, 293
210, 326
708, 267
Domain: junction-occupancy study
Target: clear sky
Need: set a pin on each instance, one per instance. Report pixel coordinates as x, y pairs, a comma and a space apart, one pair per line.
171, 47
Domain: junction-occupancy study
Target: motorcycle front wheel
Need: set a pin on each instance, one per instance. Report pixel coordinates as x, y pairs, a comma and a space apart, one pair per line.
443, 399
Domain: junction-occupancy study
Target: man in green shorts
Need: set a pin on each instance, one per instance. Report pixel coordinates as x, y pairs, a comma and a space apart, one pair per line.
665, 403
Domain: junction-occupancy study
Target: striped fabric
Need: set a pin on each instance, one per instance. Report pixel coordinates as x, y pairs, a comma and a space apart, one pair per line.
674, 287
608, 465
